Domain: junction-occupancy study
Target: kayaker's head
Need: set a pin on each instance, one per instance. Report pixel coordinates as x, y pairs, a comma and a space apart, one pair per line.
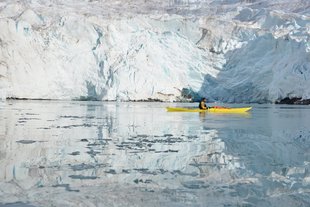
204, 99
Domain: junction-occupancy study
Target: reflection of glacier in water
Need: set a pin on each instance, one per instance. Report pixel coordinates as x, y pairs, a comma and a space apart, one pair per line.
110, 154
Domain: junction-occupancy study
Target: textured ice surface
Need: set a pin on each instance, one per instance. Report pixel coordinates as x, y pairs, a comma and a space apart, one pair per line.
233, 51
137, 154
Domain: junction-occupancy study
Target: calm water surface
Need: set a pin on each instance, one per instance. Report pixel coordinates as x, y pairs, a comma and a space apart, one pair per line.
136, 154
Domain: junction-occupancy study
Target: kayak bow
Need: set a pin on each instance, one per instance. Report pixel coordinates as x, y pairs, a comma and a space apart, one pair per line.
214, 110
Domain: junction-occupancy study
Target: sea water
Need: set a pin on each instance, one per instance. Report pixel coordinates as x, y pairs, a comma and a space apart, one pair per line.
62, 153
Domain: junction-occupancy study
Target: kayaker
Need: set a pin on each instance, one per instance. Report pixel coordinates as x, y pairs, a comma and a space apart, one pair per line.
202, 104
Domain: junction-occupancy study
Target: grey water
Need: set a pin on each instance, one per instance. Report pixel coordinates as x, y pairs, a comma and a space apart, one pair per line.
63, 153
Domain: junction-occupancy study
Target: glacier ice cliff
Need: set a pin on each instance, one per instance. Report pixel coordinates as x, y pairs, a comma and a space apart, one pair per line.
231, 51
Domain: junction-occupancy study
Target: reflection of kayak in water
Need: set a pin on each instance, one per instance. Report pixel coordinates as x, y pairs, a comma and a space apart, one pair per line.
215, 109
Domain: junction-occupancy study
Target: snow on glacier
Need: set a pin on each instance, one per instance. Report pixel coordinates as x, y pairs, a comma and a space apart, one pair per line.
232, 51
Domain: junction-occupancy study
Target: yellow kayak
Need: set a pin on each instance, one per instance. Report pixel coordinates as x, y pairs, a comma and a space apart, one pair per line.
214, 110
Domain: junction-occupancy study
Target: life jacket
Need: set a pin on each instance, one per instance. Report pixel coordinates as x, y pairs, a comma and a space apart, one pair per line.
202, 104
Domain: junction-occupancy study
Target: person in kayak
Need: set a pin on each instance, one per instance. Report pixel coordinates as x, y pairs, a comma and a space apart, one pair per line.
202, 104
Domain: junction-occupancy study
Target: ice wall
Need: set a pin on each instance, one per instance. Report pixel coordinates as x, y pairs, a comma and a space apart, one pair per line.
232, 51
267, 58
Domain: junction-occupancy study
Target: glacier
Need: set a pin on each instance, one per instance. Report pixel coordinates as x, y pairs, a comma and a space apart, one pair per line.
231, 50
